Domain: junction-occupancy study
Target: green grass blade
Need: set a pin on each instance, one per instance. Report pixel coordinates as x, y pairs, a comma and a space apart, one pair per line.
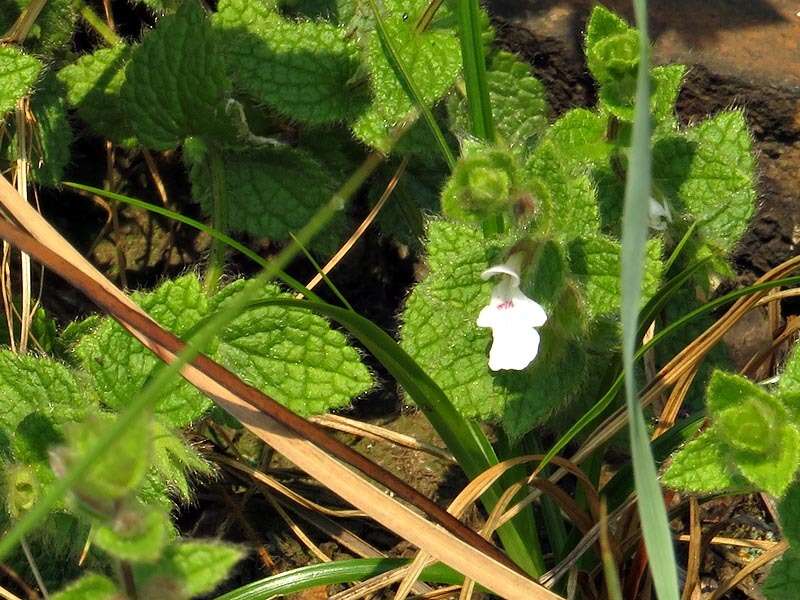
463, 438
601, 405
652, 513
472, 56
339, 571
404, 77
163, 375
214, 233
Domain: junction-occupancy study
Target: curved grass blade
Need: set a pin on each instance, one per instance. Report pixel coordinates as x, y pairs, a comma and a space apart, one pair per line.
339, 571
404, 77
463, 438
600, 406
214, 233
653, 514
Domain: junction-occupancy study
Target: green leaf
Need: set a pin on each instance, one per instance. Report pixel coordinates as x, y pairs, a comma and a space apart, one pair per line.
432, 59
116, 474
94, 83
18, 73
783, 580
306, 70
774, 470
51, 32
137, 533
519, 101
484, 184
789, 382
726, 390
789, 510
176, 83
580, 137
440, 333
667, 82
612, 48
120, 365
710, 173
40, 385
703, 465
271, 193
595, 261
566, 196
292, 355
89, 587
49, 133
173, 462
198, 567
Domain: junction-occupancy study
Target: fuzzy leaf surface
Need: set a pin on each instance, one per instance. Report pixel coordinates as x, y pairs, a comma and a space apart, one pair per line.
710, 173
440, 333
120, 365
176, 82
568, 202
53, 29
94, 83
595, 262
31, 384
303, 69
701, 466
783, 580
198, 567
271, 193
138, 534
89, 587
292, 355
432, 60
519, 102
18, 73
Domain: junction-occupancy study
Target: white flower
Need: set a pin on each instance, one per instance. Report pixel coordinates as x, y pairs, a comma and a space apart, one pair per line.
512, 316
660, 215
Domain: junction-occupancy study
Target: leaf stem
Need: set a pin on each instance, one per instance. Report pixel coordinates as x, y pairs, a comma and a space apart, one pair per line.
95, 22
219, 220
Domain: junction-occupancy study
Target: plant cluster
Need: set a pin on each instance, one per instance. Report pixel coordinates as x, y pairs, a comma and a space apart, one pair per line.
272, 105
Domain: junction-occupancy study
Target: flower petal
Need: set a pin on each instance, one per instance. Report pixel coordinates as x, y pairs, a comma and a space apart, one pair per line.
527, 312
513, 348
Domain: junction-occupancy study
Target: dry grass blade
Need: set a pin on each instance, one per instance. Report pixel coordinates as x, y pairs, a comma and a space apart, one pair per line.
277, 486
695, 547
297, 530
738, 543
680, 365
380, 434
408, 574
340, 254
470, 555
775, 552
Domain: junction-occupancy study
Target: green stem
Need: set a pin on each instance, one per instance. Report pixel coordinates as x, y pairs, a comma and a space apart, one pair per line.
95, 22
219, 220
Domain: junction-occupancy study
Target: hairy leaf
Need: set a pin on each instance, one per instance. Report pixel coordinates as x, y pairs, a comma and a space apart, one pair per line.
18, 73
304, 69
197, 567
292, 355
710, 173
137, 533
703, 465
432, 60
270, 193
94, 83
176, 83
120, 365
31, 384
89, 587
